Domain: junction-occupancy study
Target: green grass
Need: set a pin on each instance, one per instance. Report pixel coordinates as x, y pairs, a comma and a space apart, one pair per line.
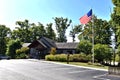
95, 65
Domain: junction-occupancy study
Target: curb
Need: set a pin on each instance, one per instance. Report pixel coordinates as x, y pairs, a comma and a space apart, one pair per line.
35, 60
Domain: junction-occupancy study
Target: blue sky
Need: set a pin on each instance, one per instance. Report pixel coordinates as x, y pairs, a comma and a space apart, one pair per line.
44, 10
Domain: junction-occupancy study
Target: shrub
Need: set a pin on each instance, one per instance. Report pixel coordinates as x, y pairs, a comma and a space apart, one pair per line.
72, 58
81, 57
102, 52
117, 58
85, 47
53, 51
118, 55
22, 53
21, 56
90, 63
89, 57
58, 57
62, 57
76, 57
49, 57
12, 46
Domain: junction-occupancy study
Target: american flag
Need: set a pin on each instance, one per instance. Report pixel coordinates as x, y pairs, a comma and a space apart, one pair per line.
86, 18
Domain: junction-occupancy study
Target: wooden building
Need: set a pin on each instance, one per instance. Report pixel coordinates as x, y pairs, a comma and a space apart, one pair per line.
40, 48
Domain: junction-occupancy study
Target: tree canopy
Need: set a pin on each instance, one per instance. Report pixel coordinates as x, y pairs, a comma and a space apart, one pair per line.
115, 20
4, 32
61, 25
102, 31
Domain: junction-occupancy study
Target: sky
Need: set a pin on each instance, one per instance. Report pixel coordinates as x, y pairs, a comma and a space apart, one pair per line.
45, 10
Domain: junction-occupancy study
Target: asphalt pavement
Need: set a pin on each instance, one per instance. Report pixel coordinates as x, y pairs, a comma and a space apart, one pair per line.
31, 69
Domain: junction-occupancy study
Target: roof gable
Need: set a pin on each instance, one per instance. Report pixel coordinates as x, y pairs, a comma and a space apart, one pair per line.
37, 43
48, 42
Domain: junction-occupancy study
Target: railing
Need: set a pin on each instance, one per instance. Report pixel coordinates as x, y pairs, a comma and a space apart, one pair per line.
114, 70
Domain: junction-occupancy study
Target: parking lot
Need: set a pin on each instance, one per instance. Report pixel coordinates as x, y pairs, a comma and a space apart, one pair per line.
43, 70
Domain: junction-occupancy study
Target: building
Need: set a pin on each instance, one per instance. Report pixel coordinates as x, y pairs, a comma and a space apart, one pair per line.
40, 48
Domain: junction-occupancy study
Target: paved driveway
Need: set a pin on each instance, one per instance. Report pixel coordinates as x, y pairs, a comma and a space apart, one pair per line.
43, 70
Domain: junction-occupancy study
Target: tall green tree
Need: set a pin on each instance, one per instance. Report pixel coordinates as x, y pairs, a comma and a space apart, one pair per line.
50, 32
4, 31
116, 21
102, 31
12, 46
37, 31
61, 25
23, 31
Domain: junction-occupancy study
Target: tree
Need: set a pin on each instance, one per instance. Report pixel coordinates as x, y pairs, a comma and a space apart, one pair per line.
102, 52
23, 32
37, 31
76, 30
4, 31
85, 47
118, 52
50, 32
15, 34
102, 31
61, 25
12, 46
27, 32
115, 20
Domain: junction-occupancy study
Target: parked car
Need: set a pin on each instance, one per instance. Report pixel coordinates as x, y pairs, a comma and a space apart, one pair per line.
4, 57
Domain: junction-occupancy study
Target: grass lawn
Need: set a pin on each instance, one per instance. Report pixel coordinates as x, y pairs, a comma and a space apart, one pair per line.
95, 65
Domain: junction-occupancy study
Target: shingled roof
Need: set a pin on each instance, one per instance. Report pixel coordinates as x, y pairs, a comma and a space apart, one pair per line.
42, 43
48, 43
52, 43
66, 45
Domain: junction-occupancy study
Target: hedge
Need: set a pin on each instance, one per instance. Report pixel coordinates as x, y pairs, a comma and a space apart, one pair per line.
72, 57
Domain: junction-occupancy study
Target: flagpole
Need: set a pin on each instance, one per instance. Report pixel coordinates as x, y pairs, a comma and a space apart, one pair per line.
84, 20
93, 54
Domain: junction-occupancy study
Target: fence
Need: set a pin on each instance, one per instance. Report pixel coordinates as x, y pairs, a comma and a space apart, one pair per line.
114, 70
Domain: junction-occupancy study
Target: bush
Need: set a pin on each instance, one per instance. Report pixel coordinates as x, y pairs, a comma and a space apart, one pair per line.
117, 58
72, 58
49, 57
102, 52
85, 47
22, 53
22, 56
12, 46
58, 57
81, 57
61, 57
53, 51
